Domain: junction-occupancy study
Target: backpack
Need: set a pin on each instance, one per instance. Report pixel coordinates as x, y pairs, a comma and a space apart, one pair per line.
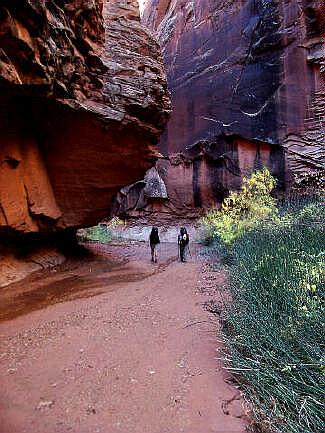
184, 239
154, 237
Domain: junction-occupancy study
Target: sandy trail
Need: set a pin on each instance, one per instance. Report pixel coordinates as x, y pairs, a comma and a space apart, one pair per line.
114, 344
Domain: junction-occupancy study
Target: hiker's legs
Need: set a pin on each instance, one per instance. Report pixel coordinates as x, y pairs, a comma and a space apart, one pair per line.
154, 253
186, 252
182, 253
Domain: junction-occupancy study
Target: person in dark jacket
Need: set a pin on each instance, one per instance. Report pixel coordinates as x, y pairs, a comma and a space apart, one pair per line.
183, 242
153, 242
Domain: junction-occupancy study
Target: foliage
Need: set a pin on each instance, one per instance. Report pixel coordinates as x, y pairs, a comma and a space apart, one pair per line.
102, 233
242, 211
274, 326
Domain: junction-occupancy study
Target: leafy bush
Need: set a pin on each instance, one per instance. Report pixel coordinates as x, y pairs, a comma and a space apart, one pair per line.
101, 233
244, 210
274, 326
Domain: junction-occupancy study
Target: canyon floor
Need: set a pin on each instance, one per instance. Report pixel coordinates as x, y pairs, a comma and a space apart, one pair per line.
112, 343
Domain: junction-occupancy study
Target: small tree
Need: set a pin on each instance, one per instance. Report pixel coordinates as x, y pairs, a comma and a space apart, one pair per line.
243, 210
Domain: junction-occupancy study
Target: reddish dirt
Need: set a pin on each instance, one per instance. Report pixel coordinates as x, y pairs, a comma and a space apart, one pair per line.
115, 344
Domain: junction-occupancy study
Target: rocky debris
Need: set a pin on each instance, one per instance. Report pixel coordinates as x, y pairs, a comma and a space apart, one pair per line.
246, 78
44, 404
83, 100
140, 195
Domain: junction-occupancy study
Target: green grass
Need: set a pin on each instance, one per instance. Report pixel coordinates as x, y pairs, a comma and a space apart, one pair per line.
274, 328
102, 233
99, 233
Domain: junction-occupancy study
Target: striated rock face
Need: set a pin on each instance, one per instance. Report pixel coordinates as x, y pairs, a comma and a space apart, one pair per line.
247, 85
83, 100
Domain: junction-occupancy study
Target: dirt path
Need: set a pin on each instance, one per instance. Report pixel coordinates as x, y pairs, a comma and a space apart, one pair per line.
114, 344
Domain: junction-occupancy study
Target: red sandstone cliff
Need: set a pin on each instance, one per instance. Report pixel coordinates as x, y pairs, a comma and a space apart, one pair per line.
248, 89
83, 100
251, 68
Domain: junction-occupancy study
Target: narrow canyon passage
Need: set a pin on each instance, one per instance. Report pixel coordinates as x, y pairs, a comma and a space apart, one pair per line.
114, 344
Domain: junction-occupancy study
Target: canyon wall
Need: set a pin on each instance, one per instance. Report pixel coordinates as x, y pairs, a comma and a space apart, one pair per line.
83, 101
247, 85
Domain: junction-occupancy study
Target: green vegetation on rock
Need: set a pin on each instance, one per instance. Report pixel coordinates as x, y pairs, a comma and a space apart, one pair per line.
102, 233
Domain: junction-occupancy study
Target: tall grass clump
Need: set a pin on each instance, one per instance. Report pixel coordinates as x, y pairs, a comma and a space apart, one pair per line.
274, 326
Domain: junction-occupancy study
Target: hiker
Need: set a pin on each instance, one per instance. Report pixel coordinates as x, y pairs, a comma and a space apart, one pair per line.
183, 241
154, 241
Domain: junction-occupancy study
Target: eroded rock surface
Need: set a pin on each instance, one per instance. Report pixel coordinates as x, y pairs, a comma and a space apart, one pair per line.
248, 89
197, 179
83, 100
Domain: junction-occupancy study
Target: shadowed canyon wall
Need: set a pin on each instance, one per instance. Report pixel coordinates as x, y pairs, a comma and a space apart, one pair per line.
247, 85
83, 101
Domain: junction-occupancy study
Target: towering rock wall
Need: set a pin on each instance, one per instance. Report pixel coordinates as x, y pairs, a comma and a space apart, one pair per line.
247, 85
83, 100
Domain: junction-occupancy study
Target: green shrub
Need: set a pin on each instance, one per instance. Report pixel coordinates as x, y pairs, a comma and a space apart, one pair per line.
102, 233
244, 210
99, 233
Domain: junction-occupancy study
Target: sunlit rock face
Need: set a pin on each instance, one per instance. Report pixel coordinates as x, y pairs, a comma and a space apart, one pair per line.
247, 85
83, 101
